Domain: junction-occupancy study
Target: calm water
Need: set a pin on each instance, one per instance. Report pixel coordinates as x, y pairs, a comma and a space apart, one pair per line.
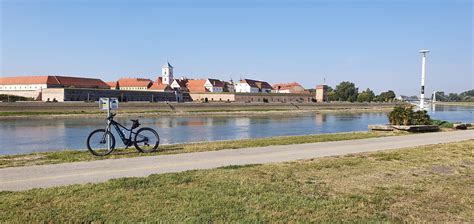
23, 136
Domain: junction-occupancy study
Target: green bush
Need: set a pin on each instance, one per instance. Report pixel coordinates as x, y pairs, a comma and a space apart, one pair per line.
404, 115
442, 124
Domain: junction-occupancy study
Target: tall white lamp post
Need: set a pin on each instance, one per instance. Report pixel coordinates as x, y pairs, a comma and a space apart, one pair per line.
423, 73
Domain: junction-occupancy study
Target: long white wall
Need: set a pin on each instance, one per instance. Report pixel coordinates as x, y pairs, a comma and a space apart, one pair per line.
23, 87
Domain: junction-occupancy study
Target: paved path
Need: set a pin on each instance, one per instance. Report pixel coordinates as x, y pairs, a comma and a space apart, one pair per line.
22, 178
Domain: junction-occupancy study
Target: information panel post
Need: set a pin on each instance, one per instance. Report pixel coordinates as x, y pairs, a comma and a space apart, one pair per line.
108, 104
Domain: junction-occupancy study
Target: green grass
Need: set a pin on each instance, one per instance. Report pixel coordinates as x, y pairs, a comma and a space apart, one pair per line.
76, 156
423, 184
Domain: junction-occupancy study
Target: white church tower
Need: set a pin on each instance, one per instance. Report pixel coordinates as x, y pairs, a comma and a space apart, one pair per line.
167, 74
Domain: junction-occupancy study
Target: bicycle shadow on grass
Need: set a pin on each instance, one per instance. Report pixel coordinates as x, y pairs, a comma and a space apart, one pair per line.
133, 151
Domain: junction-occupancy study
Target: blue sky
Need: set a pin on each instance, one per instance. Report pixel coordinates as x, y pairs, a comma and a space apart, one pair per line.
372, 43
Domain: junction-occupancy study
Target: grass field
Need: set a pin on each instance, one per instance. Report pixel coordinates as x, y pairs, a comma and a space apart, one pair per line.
423, 184
76, 156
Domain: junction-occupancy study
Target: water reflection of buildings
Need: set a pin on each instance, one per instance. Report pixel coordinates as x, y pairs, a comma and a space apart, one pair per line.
320, 118
242, 127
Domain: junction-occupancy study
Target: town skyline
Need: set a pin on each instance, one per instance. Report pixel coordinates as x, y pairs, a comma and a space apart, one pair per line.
375, 46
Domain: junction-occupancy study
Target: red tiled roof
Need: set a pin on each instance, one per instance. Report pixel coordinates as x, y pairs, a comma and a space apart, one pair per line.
285, 85
160, 87
294, 87
196, 85
134, 82
77, 82
26, 80
113, 84
60, 81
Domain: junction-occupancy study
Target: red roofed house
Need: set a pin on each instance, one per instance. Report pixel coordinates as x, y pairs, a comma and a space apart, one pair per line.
292, 87
252, 86
158, 86
43, 82
205, 85
139, 84
196, 86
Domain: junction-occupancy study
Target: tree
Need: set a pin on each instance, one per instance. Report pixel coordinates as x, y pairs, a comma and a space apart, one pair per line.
454, 97
366, 96
468, 93
440, 96
386, 96
346, 91
332, 96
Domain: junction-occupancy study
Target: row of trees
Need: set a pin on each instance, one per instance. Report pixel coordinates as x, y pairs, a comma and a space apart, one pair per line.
347, 91
467, 96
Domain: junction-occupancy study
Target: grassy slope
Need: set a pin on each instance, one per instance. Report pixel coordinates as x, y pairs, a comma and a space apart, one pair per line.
75, 155
423, 184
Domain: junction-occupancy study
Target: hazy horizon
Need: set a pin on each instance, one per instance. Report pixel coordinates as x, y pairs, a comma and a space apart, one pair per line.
371, 43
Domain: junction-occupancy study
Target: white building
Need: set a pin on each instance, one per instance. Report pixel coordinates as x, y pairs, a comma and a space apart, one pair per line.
167, 74
214, 85
180, 84
252, 86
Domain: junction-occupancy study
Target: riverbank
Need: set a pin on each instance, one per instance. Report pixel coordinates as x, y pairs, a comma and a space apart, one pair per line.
418, 184
81, 109
67, 156
455, 103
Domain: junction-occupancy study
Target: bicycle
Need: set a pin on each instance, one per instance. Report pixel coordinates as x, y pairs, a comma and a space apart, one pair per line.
101, 142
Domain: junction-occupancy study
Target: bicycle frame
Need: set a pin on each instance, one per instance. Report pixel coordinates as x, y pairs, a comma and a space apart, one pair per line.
118, 127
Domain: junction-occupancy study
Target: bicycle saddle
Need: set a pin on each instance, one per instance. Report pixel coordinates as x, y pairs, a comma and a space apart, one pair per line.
135, 123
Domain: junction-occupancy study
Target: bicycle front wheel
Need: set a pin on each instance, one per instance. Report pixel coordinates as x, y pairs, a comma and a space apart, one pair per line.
100, 142
146, 140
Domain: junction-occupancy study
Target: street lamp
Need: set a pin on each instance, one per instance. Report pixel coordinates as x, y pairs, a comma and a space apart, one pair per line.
423, 73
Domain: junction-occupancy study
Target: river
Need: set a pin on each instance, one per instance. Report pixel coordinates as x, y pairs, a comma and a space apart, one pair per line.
39, 135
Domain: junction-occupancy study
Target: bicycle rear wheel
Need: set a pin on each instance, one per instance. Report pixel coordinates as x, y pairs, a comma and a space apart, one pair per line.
146, 140
99, 141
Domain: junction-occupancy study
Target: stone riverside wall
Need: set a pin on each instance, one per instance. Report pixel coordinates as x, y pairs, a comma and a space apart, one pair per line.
71, 94
122, 95
274, 97
192, 106
253, 97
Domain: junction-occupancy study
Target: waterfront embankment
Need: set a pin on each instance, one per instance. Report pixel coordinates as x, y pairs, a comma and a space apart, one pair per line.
83, 109
67, 156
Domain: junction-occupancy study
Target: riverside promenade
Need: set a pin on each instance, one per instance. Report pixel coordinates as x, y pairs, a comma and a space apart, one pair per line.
23, 178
